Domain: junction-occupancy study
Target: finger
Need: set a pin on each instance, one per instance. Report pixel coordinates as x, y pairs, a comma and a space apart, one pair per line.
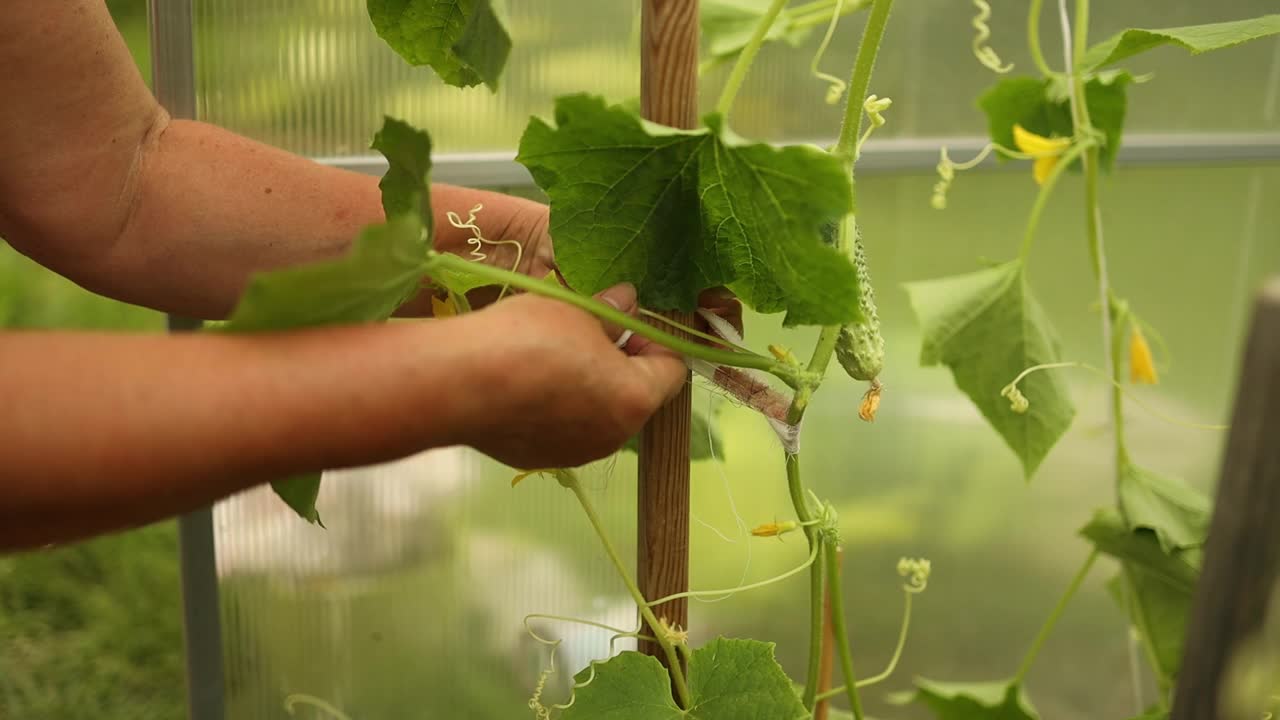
622, 298
723, 303
660, 369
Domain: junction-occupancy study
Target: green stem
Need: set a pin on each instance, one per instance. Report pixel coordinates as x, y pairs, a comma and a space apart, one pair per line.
1046, 190
449, 262
841, 634
1033, 39
730, 591
747, 57
795, 488
863, 64
1030, 658
570, 480
893, 661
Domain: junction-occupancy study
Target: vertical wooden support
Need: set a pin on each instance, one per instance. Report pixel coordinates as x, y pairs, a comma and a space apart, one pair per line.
1242, 558
668, 95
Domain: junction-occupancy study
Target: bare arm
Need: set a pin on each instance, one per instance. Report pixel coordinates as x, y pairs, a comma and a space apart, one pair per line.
98, 184
101, 432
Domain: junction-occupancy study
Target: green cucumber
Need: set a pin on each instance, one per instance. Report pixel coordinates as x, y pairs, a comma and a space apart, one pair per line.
860, 347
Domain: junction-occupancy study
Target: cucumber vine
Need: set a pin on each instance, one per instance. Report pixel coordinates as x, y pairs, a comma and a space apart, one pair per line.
780, 228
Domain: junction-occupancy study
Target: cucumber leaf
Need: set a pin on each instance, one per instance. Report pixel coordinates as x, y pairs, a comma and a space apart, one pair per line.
970, 701
676, 211
728, 680
727, 26
1158, 611
1111, 535
987, 328
464, 41
1195, 38
1042, 106
406, 186
1173, 510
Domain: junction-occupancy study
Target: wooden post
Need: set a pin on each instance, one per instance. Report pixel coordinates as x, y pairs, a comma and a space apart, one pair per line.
668, 95
1242, 558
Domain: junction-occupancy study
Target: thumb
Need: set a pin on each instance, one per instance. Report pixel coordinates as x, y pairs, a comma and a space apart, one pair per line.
621, 297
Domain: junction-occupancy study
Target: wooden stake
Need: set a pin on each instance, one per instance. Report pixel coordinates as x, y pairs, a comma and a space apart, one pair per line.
1242, 557
668, 95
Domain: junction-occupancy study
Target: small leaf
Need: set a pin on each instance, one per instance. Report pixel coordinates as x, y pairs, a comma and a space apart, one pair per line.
300, 493
464, 41
970, 701
727, 680
1195, 38
987, 328
1159, 612
1177, 514
727, 26
382, 270
1112, 536
406, 186
1043, 108
676, 212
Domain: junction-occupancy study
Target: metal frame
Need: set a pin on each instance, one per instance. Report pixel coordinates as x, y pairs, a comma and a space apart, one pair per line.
173, 81
499, 169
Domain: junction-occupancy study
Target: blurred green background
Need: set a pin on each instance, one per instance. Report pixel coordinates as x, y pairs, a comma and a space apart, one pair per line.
420, 619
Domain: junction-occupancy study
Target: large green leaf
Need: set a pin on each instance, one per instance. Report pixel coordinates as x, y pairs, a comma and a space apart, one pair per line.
675, 212
1177, 514
464, 41
727, 679
1195, 38
1042, 106
987, 328
970, 701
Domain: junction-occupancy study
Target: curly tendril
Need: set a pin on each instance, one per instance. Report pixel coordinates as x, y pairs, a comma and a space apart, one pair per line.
835, 86
915, 571
311, 700
873, 106
541, 711
477, 241
981, 50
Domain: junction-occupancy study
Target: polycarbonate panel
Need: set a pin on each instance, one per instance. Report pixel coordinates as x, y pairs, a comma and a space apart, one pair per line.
410, 603
312, 76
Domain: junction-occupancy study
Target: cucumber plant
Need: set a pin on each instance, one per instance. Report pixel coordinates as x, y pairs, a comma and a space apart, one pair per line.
678, 211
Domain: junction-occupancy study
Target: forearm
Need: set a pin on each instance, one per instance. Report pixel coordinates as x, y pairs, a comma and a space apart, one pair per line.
210, 208
102, 432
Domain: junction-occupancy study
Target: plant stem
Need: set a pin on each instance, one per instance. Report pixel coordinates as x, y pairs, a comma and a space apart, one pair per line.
747, 57
893, 661
1030, 658
863, 64
838, 627
446, 261
570, 480
1033, 39
1046, 190
811, 533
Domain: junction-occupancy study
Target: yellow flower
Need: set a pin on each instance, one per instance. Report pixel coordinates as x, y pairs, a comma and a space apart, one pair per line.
443, 308
775, 529
1142, 369
1046, 151
870, 402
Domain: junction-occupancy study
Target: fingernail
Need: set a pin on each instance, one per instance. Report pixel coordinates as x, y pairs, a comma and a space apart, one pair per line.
621, 297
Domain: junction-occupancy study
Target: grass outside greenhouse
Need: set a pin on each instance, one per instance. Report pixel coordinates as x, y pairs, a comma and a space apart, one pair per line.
94, 630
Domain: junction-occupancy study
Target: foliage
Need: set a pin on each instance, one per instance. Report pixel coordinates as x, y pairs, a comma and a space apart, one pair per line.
986, 327
971, 701
70, 643
1196, 38
464, 41
728, 680
677, 212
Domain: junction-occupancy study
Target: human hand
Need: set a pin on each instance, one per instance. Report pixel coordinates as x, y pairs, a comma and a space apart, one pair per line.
555, 390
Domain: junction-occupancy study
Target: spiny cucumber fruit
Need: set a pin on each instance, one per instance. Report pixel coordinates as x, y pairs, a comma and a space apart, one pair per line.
860, 347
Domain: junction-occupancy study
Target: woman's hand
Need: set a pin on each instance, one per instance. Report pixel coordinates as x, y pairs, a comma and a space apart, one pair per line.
555, 390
